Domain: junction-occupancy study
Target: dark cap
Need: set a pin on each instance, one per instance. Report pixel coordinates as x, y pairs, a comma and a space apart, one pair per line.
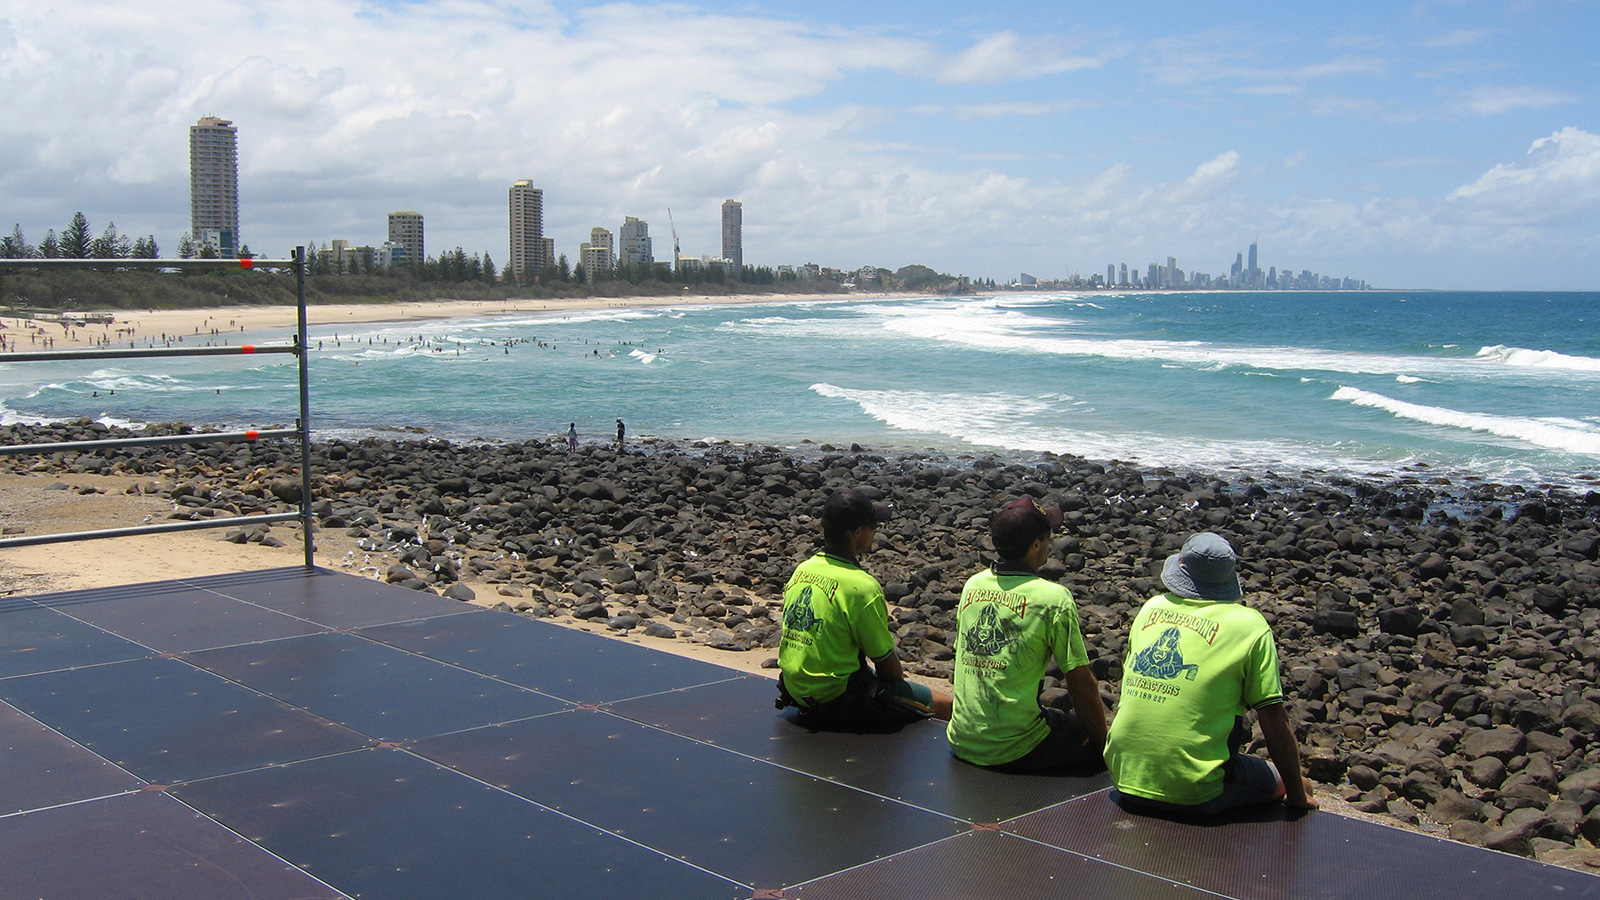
1019, 523
848, 510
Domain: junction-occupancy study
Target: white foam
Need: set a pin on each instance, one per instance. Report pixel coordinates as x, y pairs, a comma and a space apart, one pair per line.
1407, 379
1569, 435
1041, 424
1538, 359
993, 326
641, 356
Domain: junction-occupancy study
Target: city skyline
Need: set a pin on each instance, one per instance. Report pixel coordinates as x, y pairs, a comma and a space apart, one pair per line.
1450, 146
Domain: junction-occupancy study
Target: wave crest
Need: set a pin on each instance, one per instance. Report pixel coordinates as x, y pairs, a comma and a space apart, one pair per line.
1569, 435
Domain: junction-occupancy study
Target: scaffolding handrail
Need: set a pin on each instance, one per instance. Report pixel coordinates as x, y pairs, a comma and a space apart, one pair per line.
202, 437
301, 431
145, 352
34, 540
247, 262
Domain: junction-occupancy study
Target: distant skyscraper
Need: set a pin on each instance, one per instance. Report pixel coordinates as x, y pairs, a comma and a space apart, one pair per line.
1124, 280
405, 229
1111, 274
530, 249
733, 234
214, 185
635, 247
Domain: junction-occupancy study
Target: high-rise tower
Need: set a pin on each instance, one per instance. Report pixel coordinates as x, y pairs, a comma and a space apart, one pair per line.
531, 251
635, 246
733, 234
214, 185
405, 229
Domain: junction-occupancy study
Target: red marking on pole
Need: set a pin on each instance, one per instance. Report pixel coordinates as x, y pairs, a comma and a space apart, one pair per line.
246, 262
248, 348
251, 435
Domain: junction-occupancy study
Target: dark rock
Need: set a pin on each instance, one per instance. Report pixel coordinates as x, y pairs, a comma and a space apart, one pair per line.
1501, 743
1452, 805
1406, 620
459, 591
660, 630
1468, 831
591, 610
1517, 831
1337, 622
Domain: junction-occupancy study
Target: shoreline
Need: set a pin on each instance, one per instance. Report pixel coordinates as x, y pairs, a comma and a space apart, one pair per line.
149, 324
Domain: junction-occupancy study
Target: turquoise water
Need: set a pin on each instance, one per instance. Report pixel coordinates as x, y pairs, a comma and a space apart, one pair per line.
1502, 386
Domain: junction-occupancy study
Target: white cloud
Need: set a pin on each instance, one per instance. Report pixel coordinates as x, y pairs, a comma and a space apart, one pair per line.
1009, 109
1557, 181
1208, 178
1009, 55
1461, 37
1488, 100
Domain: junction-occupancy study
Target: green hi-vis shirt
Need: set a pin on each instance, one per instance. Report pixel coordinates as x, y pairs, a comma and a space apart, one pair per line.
833, 613
1009, 625
1193, 667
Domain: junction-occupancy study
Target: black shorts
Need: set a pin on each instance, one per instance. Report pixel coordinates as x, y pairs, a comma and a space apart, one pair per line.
867, 705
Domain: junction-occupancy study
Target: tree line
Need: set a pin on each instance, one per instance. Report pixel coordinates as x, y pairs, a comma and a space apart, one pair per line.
77, 241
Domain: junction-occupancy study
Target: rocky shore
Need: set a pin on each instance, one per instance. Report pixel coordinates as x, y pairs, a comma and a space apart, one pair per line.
1438, 641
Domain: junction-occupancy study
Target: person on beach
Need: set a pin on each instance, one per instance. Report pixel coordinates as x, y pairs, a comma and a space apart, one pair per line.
836, 620
1010, 623
622, 431
1197, 660
572, 437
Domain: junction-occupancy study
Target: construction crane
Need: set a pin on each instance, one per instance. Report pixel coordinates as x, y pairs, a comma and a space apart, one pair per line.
674, 228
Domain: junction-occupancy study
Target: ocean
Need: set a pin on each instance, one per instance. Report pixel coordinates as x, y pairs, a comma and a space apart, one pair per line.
1502, 387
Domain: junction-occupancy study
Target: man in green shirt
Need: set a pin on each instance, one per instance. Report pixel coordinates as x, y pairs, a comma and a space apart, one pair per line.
1011, 622
1197, 660
835, 620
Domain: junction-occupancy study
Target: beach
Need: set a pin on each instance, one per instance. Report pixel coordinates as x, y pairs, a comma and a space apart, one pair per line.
1441, 669
148, 324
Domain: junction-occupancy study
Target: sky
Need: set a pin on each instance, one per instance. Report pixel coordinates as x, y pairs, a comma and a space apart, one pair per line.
1451, 145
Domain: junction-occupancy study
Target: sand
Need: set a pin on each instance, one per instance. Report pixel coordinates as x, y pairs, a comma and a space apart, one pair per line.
146, 324
51, 504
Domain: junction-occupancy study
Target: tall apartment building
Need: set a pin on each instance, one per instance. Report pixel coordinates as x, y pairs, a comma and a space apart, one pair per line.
635, 244
733, 234
596, 256
405, 229
531, 251
214, 185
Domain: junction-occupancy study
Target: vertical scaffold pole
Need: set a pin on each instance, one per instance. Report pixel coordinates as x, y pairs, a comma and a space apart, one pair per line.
305, 407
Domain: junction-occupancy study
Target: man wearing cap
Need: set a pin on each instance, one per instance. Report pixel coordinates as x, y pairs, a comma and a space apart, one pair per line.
1011, 622
835, 619
1197, 660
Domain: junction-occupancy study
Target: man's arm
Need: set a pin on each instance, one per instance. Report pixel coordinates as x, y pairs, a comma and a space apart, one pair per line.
888, 667
1085, 693
1285, 753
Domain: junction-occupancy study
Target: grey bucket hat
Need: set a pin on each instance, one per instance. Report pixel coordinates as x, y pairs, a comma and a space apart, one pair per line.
1205, 569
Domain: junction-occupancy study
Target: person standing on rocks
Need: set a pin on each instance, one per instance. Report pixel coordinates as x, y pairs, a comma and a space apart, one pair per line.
572, 437
835, 619
622, 430
1197, 660
1010, 623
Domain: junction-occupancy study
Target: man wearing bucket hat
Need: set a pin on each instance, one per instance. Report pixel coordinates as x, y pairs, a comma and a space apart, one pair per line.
1197, 660
835, 619
1011, 622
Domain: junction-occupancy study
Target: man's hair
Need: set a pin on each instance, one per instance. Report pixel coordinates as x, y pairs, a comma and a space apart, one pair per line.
846, 511
1018, 524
